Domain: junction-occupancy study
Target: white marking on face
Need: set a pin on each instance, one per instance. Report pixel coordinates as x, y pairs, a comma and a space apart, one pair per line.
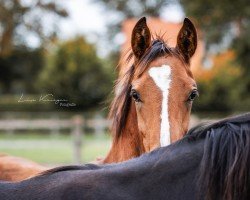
162, 78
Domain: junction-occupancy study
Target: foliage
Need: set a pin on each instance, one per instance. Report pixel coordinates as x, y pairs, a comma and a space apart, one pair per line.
16, 16
21, 20
123, 9
221, 88
220, 94
224, 20
74, 72
135, 8
19, 70
217, 18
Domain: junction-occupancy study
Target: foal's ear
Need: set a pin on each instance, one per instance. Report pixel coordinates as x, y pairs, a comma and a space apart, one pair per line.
187, 40
141, 38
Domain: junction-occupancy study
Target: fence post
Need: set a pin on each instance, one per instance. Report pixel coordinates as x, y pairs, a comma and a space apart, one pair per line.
55, 131
99, 125
77, 138
10, 132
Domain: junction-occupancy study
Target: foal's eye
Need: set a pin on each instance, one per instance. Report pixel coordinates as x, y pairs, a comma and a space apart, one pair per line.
193, 94
135, 95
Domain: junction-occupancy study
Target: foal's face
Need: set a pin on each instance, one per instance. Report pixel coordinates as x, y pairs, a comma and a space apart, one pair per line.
164, 93
163, 96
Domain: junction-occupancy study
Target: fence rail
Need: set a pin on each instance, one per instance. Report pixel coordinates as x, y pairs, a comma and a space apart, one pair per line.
76, 125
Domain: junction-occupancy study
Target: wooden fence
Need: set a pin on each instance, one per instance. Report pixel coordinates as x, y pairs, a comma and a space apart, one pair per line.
76, 125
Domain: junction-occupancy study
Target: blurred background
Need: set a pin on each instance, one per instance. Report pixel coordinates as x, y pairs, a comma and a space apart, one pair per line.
58, 65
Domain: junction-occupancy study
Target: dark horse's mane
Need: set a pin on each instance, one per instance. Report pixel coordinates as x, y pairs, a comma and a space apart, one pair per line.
70, 168
122, 101
202, 129
224, 169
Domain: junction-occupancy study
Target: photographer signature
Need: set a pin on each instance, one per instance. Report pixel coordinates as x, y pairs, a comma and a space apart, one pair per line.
47, 98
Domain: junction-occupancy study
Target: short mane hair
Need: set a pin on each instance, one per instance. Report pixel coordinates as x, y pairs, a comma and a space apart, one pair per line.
224, 169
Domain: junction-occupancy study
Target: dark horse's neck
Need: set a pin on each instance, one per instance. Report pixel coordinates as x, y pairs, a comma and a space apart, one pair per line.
129, 144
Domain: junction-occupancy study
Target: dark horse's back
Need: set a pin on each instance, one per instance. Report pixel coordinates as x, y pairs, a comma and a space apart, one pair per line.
61, 185
109, 182
73, 185
65, 185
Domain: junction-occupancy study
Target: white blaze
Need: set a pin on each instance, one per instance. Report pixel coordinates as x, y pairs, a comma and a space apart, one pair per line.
162, 78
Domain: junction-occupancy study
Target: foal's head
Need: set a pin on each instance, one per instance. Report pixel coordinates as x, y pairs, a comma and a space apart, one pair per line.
159, 86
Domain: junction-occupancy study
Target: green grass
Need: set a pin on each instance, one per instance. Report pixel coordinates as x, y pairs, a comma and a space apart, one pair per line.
53, 150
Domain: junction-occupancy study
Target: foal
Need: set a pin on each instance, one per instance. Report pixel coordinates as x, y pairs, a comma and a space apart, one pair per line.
153, 99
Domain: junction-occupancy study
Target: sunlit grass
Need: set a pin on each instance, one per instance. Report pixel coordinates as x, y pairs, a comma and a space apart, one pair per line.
53, 150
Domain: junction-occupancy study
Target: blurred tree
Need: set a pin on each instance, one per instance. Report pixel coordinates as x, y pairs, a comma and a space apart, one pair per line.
123, 9
219, 18
18, 19
20, 23
135, 8
74, 72
225, 22
220, 94
19, 70
219, 87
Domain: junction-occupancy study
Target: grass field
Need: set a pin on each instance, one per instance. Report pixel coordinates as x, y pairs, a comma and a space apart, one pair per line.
53, 150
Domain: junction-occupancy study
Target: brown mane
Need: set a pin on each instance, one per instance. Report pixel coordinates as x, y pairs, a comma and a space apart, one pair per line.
120, 105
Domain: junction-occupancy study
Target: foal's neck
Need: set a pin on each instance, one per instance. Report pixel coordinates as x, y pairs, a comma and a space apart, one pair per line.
129, 144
